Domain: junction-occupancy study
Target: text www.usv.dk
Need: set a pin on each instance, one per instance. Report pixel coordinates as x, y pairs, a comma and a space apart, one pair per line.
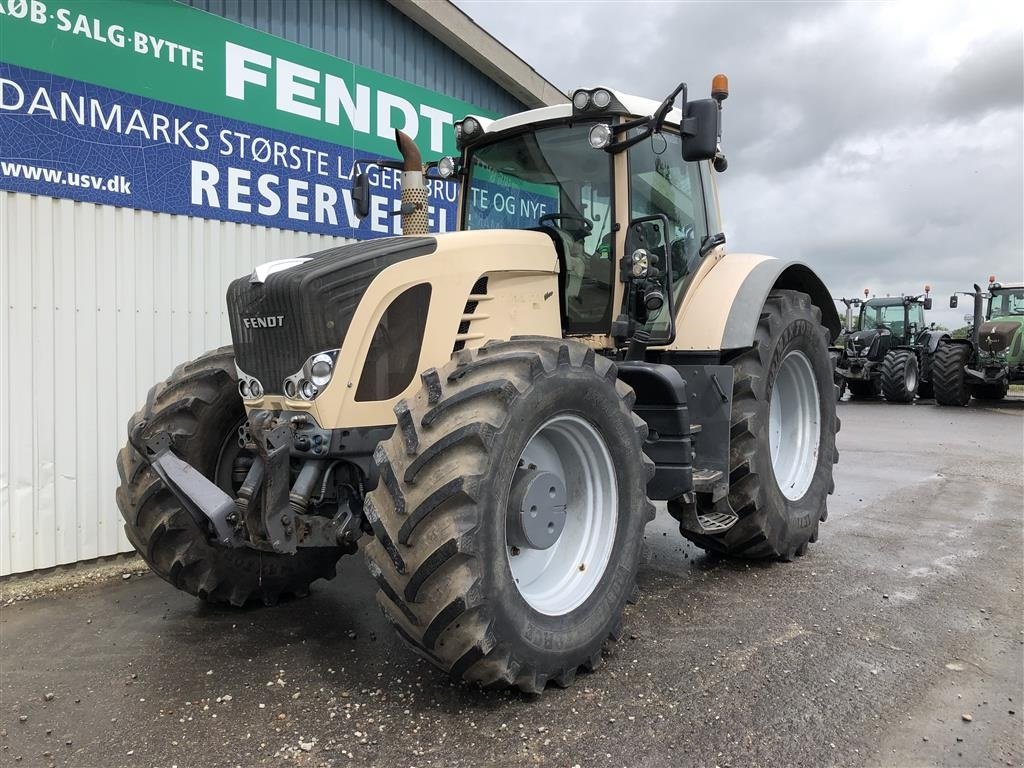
118, 184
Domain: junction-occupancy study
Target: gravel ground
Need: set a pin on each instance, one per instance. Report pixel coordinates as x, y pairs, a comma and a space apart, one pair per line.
898, 640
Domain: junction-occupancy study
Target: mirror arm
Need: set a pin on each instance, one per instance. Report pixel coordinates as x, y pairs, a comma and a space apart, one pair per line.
711, 242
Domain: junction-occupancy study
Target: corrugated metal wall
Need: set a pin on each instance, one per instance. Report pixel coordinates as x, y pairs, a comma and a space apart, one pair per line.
372, 34
99, 303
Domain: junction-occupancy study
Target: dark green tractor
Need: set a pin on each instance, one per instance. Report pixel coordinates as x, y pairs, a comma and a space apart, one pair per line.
992, 357
891, 351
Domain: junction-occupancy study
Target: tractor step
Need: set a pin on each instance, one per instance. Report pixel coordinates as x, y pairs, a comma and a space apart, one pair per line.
704, 480
716, 522
713, 482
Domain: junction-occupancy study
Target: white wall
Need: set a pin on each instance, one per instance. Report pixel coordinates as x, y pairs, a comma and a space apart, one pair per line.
99, 303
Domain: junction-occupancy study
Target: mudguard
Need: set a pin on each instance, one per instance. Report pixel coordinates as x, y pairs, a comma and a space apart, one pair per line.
721, 311
930, 340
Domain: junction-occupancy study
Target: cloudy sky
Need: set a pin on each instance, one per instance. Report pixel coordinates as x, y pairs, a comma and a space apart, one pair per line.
879, 142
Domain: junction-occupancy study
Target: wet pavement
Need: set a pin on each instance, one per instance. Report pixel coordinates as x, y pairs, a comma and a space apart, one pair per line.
898, 640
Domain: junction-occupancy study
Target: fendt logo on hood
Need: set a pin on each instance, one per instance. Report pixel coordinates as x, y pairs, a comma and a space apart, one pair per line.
270, 321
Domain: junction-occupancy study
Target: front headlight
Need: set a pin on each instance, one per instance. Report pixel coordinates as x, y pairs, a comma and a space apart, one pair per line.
314, 376
249, 387
641, 263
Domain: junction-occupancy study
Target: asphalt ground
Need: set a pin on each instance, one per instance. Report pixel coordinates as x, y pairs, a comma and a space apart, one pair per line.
897, 640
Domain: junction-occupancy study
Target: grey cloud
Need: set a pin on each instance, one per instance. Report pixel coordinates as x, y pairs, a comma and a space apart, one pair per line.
991, 77
854, 142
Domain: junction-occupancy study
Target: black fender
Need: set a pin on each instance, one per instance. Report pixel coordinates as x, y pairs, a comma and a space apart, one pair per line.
930, 340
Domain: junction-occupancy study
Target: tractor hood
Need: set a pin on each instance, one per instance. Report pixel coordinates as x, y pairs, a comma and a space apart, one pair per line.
859, 342
279, 318
340, 335
1001, 336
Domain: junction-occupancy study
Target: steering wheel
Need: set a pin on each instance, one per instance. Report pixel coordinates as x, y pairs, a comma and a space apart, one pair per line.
586, 226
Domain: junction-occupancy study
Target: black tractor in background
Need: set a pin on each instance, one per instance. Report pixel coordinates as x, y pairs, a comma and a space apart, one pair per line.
891, 351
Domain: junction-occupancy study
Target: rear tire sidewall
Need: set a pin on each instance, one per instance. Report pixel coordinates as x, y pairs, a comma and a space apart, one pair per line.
584, 629
795, 518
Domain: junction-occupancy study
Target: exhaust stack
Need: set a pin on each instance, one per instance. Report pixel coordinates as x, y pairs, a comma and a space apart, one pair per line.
414, 190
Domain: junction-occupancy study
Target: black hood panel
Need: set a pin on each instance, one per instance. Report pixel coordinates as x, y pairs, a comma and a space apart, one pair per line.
276, 325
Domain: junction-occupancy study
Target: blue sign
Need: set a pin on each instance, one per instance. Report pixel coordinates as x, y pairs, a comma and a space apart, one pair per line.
65, 138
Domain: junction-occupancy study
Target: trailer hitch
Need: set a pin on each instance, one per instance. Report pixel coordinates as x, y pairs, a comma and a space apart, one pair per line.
204, 500
269, 513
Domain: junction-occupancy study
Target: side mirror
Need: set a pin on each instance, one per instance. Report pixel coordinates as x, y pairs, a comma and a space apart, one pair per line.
361, 195
927, 302
953, 301
699, 130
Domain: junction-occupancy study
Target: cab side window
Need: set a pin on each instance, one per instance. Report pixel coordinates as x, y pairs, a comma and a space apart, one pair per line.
662, 183
915, 315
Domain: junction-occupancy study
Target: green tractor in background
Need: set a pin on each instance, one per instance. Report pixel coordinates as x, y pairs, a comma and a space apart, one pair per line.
992, 357
891, 351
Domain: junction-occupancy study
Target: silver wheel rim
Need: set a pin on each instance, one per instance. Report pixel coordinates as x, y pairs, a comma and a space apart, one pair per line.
557, 580
911, 377
794, 418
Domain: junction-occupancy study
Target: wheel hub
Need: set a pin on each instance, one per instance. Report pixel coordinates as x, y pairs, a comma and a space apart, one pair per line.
536, 509
558, 557
794, 418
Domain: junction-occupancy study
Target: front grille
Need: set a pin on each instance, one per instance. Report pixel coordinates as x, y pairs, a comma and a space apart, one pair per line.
276, 325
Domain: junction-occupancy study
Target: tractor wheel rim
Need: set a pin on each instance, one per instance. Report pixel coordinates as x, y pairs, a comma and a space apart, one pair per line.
911, 377
794, 419
557, 580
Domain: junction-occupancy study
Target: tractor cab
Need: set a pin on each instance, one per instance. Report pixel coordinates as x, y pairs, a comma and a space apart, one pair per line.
623, 186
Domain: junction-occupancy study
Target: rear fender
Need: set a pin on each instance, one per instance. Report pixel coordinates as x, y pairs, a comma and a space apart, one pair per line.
930, 340
721, 312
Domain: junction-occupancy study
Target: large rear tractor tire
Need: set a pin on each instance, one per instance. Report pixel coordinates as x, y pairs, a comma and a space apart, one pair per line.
865, 390
510, 513
900, 376
199, 406
784, 426
949, 378
993, 392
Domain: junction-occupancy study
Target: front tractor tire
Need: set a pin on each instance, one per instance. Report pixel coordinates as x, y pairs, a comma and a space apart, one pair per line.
510, 513
900, 376
199, 406
949, 375
784, 427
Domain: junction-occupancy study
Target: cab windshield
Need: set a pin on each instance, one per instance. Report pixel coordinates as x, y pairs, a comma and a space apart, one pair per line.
1006, 303
552, 177
882, 316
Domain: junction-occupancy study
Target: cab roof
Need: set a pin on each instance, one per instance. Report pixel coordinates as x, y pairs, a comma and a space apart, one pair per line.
884, 301
636, 106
